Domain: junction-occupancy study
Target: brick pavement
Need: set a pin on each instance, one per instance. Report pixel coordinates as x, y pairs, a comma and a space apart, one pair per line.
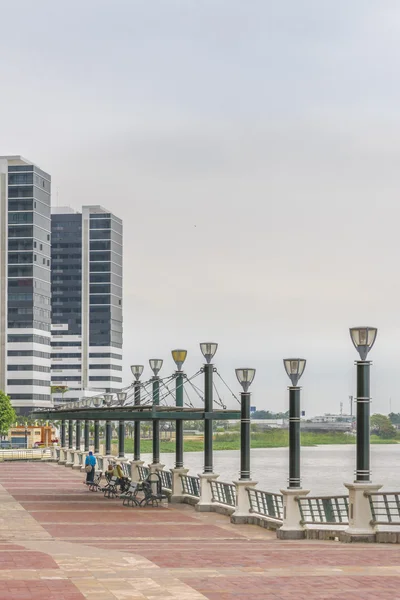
58, 541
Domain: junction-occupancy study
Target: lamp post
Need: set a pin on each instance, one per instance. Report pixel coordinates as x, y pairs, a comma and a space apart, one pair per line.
360, 527
86, 434
62, 433
245, 378
179, 357
155, 366
108, 398
292, 527
363, 339
70, 434
208, 350
26, 437
121, 426
242, 514
97, 403
137, 371
294, 368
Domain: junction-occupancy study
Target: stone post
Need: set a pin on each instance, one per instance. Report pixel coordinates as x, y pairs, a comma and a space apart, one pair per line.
292, 528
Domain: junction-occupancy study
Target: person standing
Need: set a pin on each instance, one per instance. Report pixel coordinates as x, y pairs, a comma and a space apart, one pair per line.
90, 465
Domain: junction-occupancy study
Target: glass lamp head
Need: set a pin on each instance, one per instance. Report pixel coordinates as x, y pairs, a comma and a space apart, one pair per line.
294, 368
245, 377
97, 401
155, 365
108, 398
208, 350
363, 339
137, 370
121, 398
179, 357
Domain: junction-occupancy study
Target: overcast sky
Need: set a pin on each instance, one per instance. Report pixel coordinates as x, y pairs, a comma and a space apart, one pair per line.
252, 150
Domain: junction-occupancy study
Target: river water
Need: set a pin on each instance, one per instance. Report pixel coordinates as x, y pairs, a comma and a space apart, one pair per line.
324, 469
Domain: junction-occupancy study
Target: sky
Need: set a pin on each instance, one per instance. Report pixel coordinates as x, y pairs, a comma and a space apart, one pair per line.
252, 150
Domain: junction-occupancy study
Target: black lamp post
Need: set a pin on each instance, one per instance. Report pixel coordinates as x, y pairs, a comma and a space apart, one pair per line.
245, 378
26, 437
62, 433
97, 403
155, 366
121, 426
208, 350
363, 339
294, 368
137, 370
179, 357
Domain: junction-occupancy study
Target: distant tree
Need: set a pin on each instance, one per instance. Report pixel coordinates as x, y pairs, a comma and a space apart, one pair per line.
394, 418
7, 414
382, 426
266, 414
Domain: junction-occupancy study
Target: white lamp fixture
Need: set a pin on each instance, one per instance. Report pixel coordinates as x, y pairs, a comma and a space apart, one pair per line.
97, 401
245, 377
137, 370
108, 398
294, 368
155, 365
363, 339
121, 398
208, 350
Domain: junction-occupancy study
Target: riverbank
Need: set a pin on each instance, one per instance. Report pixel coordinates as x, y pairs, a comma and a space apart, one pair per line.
276, 438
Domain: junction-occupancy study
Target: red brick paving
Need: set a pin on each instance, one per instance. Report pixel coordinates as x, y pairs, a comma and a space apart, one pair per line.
137, 515
39, 590
304, 588
24, 559
58, 501
104, 529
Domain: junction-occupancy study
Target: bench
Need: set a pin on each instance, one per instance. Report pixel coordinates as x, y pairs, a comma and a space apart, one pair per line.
129, 498
152, 490
110, 489
94, 486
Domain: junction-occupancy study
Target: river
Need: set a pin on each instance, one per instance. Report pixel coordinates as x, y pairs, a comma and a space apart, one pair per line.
324, 469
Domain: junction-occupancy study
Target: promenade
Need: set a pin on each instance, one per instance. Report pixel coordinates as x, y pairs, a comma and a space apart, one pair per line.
58, 541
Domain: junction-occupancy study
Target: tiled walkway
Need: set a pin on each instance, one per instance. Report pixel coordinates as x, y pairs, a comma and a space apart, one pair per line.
58, 541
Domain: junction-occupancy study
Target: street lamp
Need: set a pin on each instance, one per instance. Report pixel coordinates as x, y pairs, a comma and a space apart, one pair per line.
108, 398
363, 339
294, 368
155, 366
137, 370
121, 398
208, 350
179, 357
97, 401
245, 378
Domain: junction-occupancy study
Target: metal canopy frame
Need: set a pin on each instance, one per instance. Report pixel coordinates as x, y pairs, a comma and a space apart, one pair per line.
140, 413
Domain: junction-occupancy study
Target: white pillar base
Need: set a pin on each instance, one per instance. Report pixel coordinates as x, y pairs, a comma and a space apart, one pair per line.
292, 529
205, 503
76, 464
63, 456
70, 457
242, 512
154, 467
360, 528
135, 477
177, 493
107, 459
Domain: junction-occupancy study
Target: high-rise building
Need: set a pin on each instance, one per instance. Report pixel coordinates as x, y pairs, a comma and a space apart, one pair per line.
86, 301
25, 283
